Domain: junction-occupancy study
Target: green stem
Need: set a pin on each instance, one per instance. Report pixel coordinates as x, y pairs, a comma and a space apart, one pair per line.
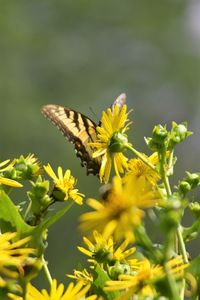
46, 271
182, 245
27, 210
167, 185
24, 288
142, 157
170, 163
178, 233
172, 285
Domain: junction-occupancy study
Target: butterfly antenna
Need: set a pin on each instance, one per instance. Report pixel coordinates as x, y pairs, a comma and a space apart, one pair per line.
94, 114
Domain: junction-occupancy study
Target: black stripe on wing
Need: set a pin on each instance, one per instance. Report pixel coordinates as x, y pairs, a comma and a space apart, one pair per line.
78, 129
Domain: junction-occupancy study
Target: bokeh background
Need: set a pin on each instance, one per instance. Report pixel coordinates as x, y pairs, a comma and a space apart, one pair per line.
83, 54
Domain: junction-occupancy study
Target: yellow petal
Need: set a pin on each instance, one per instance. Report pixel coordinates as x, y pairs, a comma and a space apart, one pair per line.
107, 168
60, 173
48, 169
10, 182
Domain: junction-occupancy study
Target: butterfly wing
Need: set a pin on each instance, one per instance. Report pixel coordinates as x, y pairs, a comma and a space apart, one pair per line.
120, 101
79, 130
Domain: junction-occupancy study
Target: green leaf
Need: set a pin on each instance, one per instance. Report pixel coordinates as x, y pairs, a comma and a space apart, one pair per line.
10, 218
100, 277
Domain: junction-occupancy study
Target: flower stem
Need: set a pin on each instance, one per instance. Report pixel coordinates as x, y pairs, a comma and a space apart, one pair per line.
27, 210
46, 270
182, 245
170, 163
172, 285
138, 154
167, 185
178, 235
24, 289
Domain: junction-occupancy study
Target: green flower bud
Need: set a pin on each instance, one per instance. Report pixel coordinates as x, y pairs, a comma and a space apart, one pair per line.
193, 179
119, 269
118, 142
151, 144
38, 196
184, 187
41, 188
12, 174
194, 208
178, 133
190, 182
159, 134
27, 167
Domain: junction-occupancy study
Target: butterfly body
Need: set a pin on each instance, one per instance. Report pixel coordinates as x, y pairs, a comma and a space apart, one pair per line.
79, 130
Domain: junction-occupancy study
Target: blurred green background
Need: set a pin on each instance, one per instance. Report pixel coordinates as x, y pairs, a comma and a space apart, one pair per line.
83, 54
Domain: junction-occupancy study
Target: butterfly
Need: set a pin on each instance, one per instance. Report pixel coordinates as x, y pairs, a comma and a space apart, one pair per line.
79, 130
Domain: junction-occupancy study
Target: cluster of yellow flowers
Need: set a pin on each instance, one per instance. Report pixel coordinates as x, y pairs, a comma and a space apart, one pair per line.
123, 261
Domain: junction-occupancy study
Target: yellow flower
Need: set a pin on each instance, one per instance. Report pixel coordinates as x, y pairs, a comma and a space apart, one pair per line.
104, 249
142, 282
8, 181
138, 168
138, 283
123, 209
31, 160
83, 276
73, 292
176, 266
65, 183
112, 141
13, 255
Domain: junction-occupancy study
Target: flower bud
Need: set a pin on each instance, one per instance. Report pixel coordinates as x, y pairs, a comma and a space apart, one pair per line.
178, 133
119, 269
193, 179
190, 182
194, 208
118, 142
151, 144
38, 195
184, 187
159, 134
27, 167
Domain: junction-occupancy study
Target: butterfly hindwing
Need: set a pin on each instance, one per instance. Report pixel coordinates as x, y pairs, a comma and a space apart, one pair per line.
120, 101
78, 129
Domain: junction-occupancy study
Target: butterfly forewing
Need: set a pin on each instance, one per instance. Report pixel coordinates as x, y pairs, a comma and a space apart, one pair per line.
78, 129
